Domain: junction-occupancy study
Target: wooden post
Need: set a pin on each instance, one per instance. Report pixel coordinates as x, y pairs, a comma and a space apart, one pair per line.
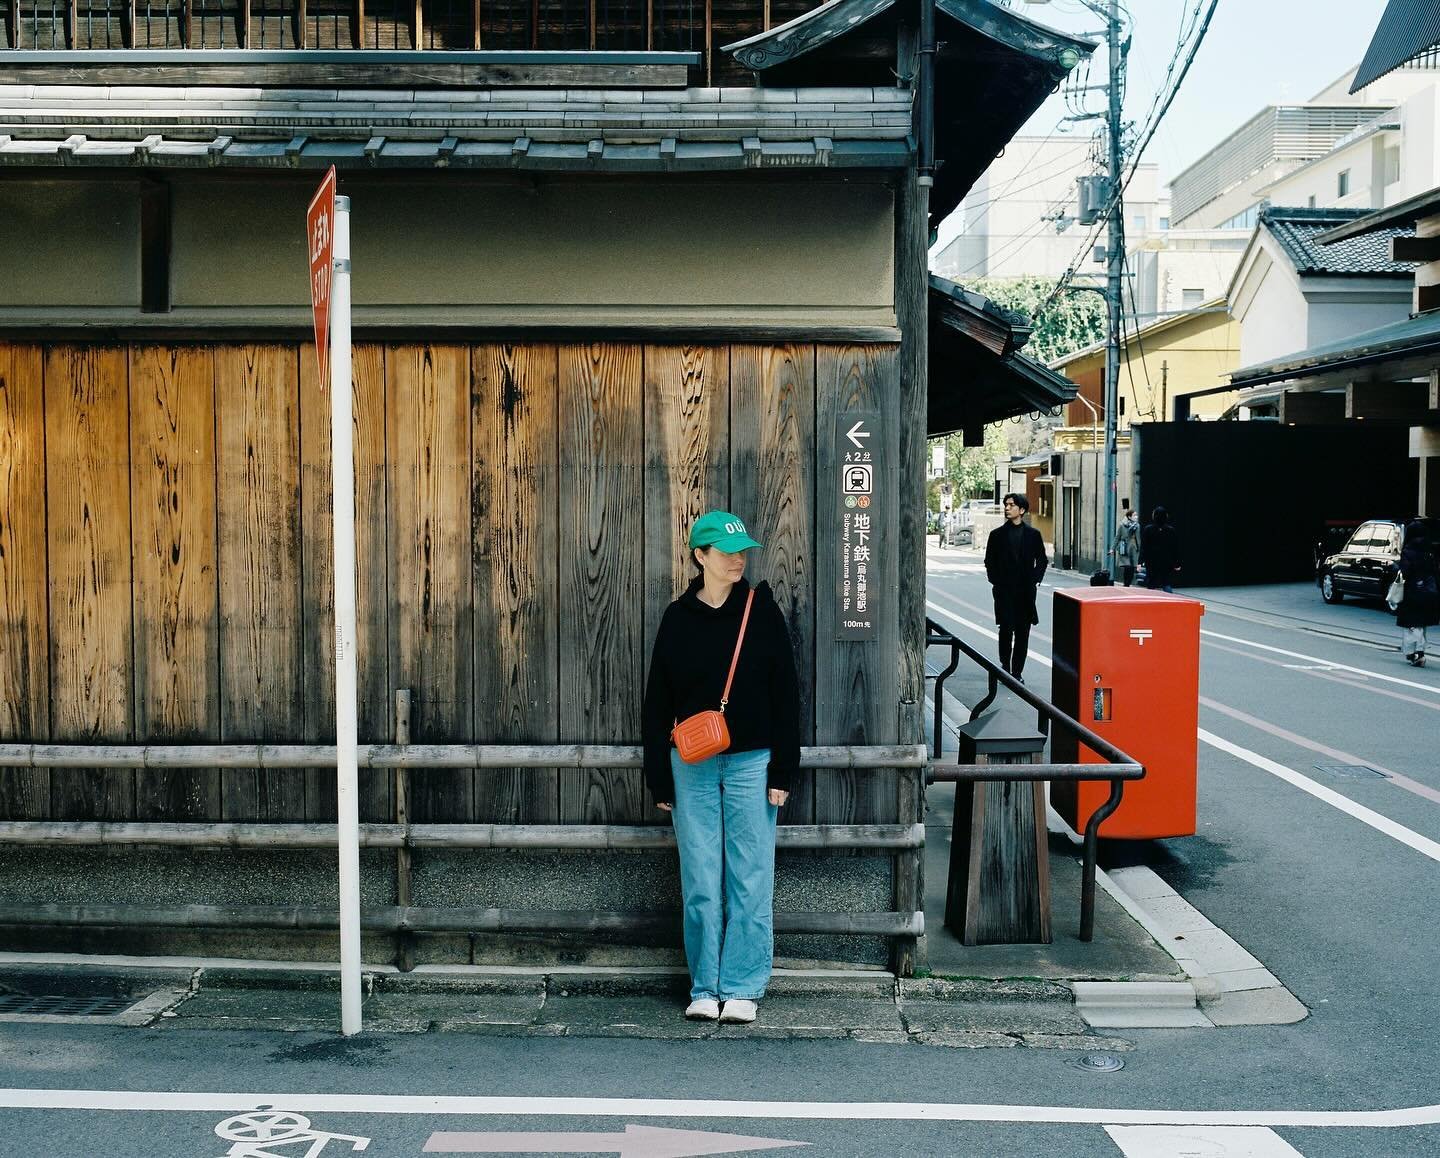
475, 23
244, 23
912, 288
592, 17
405, 942
417, 27
709, 36
357, 25
999, 887
302, 31
72, 22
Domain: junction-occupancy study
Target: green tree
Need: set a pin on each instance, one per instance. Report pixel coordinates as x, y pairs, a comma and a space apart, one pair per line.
970, 470
1075, 319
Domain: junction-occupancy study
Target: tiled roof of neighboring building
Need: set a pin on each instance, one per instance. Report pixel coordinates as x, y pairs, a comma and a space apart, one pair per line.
1297, 231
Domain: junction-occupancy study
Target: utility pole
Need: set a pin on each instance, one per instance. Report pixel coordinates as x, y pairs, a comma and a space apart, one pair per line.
1114, 280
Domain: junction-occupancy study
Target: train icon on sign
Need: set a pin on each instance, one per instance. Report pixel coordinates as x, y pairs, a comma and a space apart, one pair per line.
856, 479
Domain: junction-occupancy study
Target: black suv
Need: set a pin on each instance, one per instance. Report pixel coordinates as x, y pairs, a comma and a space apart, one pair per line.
1365, 567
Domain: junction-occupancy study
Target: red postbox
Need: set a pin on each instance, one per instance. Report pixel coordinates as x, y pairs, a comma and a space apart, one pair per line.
1127, 666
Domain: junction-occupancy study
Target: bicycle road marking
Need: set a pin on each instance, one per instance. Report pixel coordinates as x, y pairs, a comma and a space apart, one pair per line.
588, 1107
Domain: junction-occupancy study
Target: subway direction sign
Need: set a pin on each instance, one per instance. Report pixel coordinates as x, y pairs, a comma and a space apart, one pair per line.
858, 490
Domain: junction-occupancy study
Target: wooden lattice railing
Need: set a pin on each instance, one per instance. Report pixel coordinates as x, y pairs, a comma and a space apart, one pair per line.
403, 25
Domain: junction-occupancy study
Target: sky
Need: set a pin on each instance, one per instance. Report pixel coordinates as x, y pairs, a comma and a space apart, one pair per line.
1255, 53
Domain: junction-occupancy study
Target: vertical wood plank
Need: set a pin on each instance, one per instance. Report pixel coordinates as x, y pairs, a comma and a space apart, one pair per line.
602, 574
376, 716
517, 575
476, 24
357, 25
687, 451
258, 485
427, 400
24, 590
772, 486
912, 287
88, 513
856, 680
176, 589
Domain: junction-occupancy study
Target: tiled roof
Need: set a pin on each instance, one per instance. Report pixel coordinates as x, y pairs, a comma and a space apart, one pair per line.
1296, 231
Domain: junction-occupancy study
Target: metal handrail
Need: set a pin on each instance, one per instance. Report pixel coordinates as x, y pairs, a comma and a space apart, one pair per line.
1119, 768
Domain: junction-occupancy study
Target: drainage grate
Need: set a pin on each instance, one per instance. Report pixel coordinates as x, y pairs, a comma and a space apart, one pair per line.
1352, 771
67, 1006
1100, 1063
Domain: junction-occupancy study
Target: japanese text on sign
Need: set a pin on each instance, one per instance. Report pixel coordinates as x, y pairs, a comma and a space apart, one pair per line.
858, 491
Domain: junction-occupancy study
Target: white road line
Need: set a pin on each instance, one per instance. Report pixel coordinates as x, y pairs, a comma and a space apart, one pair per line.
703, 1108
1212, 1142
1374, 675
1396, 778
1421, 844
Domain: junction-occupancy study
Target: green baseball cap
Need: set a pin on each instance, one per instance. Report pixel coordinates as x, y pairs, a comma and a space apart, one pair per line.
721, 529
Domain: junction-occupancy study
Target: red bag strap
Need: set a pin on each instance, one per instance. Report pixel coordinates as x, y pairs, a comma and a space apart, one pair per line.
735, 659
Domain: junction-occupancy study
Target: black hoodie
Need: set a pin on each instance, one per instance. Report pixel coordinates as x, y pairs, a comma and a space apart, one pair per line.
688, 667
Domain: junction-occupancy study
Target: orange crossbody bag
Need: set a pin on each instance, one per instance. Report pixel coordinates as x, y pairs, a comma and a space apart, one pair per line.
705, 734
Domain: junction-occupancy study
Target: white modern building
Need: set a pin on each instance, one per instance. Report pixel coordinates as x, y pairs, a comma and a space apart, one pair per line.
1364, 150
1019, 219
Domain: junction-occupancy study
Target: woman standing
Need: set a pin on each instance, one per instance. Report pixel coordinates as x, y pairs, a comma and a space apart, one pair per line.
724, 808
1420, 605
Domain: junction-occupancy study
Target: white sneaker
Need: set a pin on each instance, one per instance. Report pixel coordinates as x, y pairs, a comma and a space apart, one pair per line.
703, 1009
738, 1011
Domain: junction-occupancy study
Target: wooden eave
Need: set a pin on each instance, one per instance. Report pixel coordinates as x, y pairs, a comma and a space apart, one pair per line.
994, 68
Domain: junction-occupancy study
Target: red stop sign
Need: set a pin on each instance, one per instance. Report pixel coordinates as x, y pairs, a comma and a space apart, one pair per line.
320, 234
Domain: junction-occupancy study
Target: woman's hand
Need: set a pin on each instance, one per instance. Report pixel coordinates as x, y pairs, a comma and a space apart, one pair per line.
664, 807
778, 796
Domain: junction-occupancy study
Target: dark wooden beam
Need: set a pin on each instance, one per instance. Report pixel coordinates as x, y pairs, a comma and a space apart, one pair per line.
1415, 249
244, 23
709, 42
592, 17
1393, 400
302, 29
475, 23
187, 23
361, 73
154, 247
1307, 407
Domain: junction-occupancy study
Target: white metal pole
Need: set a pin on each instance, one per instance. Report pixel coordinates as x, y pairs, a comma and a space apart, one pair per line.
342, 473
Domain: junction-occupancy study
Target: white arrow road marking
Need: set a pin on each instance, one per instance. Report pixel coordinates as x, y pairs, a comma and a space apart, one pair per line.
436, 1104
1190, 1142
635, 1142
1421, 844
856, 433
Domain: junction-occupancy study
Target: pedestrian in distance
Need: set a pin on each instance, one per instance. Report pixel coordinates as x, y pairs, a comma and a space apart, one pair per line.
1160, 551
1127, 546
1015, 563
724, 645
1420, 604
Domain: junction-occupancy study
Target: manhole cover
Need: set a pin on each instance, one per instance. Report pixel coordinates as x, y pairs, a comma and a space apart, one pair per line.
23, 1003
1352, 771
1100, 1063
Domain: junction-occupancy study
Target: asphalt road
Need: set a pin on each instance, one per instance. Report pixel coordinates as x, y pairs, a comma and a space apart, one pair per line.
1328, 877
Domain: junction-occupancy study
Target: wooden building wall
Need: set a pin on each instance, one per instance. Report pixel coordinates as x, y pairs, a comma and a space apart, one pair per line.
165, 569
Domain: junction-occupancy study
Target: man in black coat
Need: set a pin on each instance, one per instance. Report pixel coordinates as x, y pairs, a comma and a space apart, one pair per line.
1015, 563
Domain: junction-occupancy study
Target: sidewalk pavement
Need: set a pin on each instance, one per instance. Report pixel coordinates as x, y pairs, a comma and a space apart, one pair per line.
1154, 962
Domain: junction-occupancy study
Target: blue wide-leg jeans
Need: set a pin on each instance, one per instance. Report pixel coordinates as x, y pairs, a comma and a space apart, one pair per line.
725, 827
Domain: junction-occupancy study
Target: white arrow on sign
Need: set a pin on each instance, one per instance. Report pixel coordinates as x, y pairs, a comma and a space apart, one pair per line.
856, 433
636, 1142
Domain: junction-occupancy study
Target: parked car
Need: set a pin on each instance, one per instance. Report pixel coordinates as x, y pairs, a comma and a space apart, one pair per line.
1365, 566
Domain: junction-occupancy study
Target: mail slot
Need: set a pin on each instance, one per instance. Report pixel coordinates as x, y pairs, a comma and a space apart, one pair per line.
1127, 666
